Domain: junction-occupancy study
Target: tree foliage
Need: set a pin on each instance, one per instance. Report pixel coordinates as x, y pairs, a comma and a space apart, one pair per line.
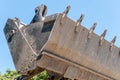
11, 74
42, 76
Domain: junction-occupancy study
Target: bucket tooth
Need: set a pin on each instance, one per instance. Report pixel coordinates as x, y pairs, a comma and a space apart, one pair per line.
102, 37
104, 33
91, 30
65, 14
79, 21
112, 42
114, 39
66, 11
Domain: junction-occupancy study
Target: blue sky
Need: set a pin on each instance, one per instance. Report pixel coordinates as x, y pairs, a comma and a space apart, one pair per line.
105, 12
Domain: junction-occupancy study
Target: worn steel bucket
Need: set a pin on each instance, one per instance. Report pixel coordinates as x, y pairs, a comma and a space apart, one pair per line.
66, 39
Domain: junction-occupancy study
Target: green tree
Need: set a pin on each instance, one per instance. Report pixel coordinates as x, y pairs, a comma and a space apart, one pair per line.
11, 74
42, 76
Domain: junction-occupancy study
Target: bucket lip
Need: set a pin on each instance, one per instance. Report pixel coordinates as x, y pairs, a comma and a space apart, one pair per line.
48, 19
51, 17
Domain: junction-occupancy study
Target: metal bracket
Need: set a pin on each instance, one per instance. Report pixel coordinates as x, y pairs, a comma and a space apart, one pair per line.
40, 13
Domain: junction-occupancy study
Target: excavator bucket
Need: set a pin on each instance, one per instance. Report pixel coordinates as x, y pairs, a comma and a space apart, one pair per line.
63, 47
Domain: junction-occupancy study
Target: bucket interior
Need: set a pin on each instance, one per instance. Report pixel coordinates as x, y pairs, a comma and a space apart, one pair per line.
37, 35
